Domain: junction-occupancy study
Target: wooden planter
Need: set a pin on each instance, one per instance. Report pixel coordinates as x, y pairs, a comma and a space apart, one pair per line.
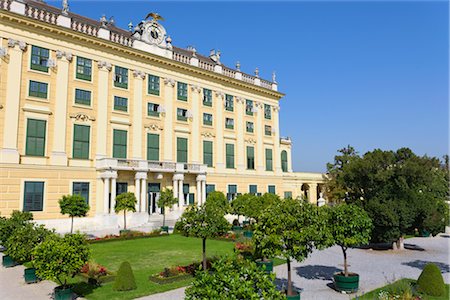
8, 262
346, 284
267, 263
29, 275
63, 293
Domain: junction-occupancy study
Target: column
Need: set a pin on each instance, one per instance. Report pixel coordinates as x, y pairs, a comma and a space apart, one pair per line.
199, 193
180, 193
175, 188
169, 85
240, 107
201, 188
9, 152
139, 77
144, 205
219, 121
113, 193
203, 191
102, 103
196, 119
137, 192
313, 193
259, 151
106, 195
58, 155
276, 140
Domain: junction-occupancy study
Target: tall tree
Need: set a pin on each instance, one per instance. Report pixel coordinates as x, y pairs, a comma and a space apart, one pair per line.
166, 199
74, 206
125, 202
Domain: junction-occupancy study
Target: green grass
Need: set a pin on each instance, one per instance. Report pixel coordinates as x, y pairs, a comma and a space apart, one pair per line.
148, 257
373, 295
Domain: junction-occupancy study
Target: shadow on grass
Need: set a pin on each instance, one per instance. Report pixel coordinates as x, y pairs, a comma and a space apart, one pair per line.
83, 288
317, 272
420, 264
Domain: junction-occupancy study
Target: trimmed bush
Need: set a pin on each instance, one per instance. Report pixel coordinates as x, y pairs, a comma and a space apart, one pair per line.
430, 281
125, 278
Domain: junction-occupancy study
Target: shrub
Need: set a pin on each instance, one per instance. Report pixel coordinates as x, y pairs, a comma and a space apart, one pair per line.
430, 281
17, 219
125, 278
74, 206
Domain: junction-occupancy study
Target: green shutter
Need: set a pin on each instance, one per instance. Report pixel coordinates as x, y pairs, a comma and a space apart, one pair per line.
152, 146
153, 85
229, 150
232, 188
272, 189
250, 158
185, 188
81, 188
269, 166
284, 163
253, 189
35, 142
182, 150
119, 143
81, 141
33, 196
208, 153
287, 195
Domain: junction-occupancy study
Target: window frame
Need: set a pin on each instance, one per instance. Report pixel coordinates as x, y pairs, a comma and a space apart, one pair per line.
249, 107
81, 142
183, 117
227, 125
269, 162
229, 102
180, 152
153, 113
229, 156
182, 91
208, 157
42, 200
83, 101
119, 147
81, 192
38, 94
42, 65
267, 130
247, 127
151, 147
207, 97
121, 108
121, 77
83, 76
267, 112
206, 121
250, 159
37, 139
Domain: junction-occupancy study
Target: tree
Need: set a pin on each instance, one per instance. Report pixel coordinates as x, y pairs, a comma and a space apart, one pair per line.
125, 202
292, 229
399, 190
74, 206
239, 205
350, 226
258, 204
218, 202
233, 278
8, 225
60, 258
24, 239
166, 199
205, 221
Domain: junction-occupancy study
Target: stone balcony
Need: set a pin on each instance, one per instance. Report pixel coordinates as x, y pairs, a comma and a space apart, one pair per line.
119, 164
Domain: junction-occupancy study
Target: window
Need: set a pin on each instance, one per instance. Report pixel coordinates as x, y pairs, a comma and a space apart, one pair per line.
39, 58
121, 187
250, 158
229, 154
268, 130
152, 146
121, 77
82, 97
38, 89
207, 119
232, 192
253, 189
152, 109
181, 114
119, 143
207, 97
82, 189
182, 150
249, 126
84, 68
33, 196
208, 153
209, 189
249, 107
229, 123
267, 112
120, 103
284, 162
182, 91
229, 105
153, 85
269, 161
35, 144
271, 189
81, 141
287, 195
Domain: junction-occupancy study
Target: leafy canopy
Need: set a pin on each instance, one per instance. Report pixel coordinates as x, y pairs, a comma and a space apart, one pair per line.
233, 278
166, 198
8, 225
73, 205
125, 202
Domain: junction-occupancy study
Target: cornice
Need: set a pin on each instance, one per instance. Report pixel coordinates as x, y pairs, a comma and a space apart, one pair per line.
72, 36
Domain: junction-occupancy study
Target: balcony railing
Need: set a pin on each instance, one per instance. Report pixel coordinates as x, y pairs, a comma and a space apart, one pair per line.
121, 164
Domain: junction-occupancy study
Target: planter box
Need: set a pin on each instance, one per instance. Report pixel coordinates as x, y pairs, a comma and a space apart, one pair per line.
293, 297
159, 280
346, 284
248, 234
236, 228
29, 275
124, 231
267, 263
245, 222
165, 229
8, 262
62, 293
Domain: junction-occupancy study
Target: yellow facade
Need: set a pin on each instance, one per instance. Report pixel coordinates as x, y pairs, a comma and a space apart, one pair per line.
28, 24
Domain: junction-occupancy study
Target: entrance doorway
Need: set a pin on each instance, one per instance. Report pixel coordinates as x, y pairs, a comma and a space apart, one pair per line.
154, 190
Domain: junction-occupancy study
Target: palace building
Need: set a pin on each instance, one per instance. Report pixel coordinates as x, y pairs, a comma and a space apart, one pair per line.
89, 108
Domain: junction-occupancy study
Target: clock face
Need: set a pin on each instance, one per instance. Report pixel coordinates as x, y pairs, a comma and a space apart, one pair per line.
155, 34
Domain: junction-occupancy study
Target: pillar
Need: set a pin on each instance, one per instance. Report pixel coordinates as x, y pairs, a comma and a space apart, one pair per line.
313, 193
219, 125
113, 193
137, 192
144, 205
175, 189
276, 140
170, 112
59, 155
9, 152
180, 193
106, 195
139, 77
203, 191
196, 158
240, 108
259, 151
199, 193
102, 103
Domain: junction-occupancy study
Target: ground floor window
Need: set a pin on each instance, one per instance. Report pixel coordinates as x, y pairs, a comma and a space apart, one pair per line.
121, 187
232, 192
287, 195
33, 196
271, 189
82, 189
209, 189
253, 189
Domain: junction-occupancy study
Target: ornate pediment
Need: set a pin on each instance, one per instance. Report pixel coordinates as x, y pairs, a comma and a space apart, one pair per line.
82, 117
154, 127
250, 141
208, 134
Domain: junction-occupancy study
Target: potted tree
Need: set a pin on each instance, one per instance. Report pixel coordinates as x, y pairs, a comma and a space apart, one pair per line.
238, 207
205, 221
166, 199
291, 229
7, 227
74, 206
21, 244
350, 226
59, 258
125, 202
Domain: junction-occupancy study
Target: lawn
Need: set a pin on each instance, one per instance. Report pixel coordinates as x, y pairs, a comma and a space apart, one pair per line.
395, 286
148, 256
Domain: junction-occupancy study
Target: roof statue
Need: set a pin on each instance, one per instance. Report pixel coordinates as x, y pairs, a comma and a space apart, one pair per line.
156, 17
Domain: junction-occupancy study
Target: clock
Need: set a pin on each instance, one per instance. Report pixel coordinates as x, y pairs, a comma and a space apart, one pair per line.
155, 34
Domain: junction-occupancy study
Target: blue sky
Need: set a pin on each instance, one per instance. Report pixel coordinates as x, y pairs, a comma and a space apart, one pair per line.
368, 74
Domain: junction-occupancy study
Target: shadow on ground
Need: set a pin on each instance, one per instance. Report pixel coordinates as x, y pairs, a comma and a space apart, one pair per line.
413, 247
281, 284
420, 264
317, 272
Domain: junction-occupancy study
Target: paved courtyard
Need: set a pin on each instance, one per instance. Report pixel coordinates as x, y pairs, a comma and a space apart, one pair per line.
313, 276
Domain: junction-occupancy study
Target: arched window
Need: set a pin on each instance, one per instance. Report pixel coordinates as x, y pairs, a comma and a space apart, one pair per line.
284, 162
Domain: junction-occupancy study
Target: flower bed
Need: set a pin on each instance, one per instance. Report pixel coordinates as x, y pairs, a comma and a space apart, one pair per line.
96, 274
131, 235
229, 236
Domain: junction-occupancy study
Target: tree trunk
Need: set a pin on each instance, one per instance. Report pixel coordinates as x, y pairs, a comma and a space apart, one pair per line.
164, 216
204, 253
400, 243
289, 283
344, 250
71, 226
124, 219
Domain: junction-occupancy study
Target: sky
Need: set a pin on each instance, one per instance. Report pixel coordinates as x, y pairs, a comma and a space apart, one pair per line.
370, 74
